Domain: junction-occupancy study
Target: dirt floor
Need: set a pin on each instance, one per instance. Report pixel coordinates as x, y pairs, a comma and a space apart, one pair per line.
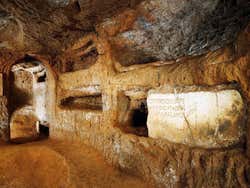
51, 163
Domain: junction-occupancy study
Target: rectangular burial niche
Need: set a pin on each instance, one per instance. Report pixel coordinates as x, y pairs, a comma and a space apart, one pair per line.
88, 102
133, 114
81, 58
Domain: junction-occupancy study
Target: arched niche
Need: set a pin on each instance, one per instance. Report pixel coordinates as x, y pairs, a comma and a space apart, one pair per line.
43, 91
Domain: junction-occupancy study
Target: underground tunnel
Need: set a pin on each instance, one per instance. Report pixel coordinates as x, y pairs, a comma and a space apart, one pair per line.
129, 93
28, 101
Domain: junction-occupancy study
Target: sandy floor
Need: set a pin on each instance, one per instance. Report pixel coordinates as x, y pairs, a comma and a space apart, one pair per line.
52, 164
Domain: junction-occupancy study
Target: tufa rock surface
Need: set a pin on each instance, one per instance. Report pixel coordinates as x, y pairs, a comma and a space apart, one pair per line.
103, 57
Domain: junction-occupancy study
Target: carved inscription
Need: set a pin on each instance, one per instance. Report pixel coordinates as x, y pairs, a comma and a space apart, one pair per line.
201, 118
167, 105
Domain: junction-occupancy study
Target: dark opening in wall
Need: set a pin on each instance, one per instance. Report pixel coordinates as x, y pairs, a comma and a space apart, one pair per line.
42, 78
85, 46
133, 115
28, 58
81, 58
139, 118
93, 102
77, 6
28, 100
132, 57
43, 131
86, 60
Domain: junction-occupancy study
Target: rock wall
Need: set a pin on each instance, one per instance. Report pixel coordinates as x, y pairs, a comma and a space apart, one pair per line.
22, 88
4, 119
4, 114
23, 123
104, 58
156, 160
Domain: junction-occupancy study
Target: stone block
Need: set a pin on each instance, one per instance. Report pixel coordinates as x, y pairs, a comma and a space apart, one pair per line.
205, 117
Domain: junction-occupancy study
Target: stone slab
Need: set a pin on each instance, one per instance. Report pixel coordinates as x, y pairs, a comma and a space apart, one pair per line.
207, 117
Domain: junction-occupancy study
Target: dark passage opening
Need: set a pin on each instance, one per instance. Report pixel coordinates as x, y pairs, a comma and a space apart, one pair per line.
42, 78
43, 131
140, 116
139, 120
133, 114
28, 87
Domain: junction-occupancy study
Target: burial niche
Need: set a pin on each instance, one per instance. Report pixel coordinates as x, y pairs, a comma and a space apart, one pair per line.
88, 102
29, 90
85, 98
133, 113
81, 58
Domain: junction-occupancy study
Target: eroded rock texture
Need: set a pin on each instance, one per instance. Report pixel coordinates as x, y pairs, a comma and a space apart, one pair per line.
146, 31
161, 30
124, 91
11, 31
4, 119
50, 26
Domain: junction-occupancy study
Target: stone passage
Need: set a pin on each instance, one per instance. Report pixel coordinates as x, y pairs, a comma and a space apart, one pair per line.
206, 117
28, 100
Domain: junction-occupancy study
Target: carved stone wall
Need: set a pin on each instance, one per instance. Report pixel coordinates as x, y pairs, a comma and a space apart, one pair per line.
22, 88
164, 163
107, 55
4, 119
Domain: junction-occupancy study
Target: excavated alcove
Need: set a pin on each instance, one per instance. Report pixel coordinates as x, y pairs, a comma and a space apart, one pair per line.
139, 119
28, 100
91, 102
133, 113
80, 58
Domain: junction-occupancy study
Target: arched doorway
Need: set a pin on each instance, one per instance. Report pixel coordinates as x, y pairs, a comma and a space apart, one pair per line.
30, 100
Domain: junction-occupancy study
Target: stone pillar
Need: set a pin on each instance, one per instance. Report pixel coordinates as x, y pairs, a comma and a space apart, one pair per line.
110, 107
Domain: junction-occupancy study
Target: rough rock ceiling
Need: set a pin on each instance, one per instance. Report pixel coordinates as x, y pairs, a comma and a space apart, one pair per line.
138, 31
48, 25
